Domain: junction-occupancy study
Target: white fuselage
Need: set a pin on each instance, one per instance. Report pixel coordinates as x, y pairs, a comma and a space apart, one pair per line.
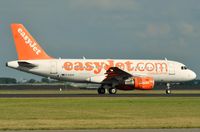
93, 70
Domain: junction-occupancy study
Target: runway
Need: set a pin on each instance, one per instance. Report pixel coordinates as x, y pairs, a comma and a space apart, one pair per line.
94, 95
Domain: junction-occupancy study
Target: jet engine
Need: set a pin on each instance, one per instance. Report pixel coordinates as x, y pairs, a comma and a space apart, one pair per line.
142, 83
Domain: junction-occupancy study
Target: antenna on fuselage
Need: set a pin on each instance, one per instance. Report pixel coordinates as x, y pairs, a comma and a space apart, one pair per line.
84, 58
166, 59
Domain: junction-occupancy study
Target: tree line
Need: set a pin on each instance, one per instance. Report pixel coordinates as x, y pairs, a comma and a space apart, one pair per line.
7, 80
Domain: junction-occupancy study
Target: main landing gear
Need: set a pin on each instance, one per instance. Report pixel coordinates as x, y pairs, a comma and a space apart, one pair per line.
112, 91
102, 90
168, 91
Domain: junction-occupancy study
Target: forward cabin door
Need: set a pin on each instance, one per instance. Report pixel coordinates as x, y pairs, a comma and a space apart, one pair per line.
171, 69
53, 67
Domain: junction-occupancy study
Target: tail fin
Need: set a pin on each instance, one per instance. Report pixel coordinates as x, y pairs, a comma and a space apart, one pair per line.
26, 46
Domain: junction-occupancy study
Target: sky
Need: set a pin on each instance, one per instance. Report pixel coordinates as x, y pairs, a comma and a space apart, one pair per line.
116, 29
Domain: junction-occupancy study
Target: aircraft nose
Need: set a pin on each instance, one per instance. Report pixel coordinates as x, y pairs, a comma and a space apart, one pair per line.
193, 75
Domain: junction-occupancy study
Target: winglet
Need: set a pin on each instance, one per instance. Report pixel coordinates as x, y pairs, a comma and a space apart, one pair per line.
26, 46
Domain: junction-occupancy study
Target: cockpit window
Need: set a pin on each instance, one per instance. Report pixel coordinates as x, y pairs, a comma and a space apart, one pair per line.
184, 68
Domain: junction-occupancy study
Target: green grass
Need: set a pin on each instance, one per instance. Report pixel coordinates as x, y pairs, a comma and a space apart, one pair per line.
99, 113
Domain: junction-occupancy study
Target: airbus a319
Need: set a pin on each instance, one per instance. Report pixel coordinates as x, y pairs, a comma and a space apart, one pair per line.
111, 74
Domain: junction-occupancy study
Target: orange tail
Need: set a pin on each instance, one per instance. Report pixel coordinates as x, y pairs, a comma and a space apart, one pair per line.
26, 46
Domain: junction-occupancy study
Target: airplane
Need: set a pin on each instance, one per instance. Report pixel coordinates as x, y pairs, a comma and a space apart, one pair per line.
111, 74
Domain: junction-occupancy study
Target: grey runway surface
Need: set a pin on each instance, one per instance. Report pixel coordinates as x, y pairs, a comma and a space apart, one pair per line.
118, 130
93, 95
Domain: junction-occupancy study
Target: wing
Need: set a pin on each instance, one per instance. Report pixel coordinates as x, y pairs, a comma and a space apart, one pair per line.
118, 75
114, 74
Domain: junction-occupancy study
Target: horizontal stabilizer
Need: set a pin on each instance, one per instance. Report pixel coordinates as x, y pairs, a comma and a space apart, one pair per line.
26, 64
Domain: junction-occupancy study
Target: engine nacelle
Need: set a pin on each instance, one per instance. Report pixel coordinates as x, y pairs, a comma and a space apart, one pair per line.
145, 83
142, 83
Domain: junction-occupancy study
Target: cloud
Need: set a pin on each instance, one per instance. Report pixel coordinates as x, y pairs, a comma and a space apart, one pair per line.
104, 4
155, 30
187, 29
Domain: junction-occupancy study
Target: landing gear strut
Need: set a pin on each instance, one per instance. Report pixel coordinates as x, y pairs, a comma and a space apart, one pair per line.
168, 91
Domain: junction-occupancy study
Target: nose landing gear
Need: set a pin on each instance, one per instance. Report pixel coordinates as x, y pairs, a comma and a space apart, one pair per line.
168, 91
